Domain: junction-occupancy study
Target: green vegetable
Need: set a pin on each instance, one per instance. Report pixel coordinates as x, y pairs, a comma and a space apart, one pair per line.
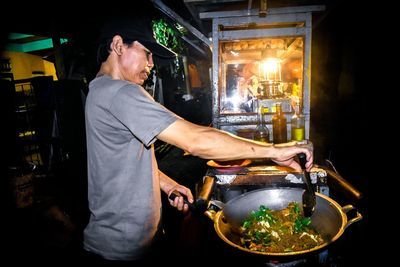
271, 230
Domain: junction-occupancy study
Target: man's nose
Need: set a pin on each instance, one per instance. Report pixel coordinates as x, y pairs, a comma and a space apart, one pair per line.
150, 62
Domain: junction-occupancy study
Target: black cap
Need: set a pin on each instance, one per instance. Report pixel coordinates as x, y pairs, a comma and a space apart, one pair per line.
136, 28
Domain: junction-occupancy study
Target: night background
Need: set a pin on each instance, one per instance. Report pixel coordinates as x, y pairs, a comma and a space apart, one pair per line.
50, 230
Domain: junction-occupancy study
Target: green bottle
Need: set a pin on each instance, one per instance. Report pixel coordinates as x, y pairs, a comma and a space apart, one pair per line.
297, 124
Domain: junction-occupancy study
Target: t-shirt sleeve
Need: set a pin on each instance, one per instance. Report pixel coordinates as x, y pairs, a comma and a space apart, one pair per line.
138, 111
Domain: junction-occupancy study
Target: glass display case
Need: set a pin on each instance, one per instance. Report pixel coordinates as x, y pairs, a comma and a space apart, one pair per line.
259, 62
256, 71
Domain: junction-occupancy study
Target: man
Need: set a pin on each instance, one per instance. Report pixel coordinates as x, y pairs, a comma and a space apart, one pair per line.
122, 123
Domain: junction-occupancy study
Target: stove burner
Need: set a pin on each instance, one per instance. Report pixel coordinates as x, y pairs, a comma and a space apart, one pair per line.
323, 259
287, 264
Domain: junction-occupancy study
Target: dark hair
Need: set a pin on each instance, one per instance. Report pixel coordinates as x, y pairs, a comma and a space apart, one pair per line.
103, 51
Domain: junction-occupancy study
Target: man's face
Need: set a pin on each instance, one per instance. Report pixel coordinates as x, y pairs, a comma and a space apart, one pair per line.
136, 63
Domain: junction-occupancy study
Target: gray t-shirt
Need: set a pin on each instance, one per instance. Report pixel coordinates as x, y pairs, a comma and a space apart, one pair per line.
122, 122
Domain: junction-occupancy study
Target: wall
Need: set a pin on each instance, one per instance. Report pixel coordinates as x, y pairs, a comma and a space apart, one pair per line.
24, 64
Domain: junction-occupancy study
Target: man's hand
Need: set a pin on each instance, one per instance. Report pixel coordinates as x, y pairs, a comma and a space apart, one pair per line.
287, 153
178, 202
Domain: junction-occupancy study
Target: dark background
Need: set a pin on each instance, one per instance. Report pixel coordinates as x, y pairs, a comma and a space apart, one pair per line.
344, 129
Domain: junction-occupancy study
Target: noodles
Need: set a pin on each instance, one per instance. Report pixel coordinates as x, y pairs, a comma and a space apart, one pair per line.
279, 231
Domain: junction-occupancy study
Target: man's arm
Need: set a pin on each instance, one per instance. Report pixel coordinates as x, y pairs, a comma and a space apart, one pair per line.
211, 143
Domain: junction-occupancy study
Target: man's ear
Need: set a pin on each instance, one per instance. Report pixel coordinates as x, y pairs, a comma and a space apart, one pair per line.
117, 44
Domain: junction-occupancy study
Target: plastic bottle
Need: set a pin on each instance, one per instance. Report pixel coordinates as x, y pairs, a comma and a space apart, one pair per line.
297, 124
279, 127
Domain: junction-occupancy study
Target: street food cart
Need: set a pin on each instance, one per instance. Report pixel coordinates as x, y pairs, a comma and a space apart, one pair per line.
259, 61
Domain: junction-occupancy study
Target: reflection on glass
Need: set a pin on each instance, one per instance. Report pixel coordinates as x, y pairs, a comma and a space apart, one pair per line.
259, 69
241, 87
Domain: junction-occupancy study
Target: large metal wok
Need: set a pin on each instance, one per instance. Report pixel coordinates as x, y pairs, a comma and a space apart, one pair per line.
329, 218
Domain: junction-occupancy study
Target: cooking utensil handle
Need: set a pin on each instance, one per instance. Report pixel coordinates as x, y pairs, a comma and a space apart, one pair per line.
175, 194
302, 160
308, 197
307, 180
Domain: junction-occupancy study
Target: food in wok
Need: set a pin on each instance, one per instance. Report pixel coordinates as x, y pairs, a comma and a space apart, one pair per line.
283, 230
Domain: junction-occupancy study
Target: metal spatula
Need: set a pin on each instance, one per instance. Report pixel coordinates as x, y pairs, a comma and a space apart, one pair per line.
308, 196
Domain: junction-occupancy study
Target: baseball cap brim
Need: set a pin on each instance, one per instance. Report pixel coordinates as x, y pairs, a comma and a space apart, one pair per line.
158, 49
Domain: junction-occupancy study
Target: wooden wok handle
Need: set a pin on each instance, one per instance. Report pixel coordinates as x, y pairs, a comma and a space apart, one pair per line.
349, 188
205, 193
207, 187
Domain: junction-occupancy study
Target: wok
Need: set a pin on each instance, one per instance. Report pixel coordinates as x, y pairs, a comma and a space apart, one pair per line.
329, 218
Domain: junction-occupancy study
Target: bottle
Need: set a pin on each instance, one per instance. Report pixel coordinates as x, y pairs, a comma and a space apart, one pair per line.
297, 124
279, 127
261, 133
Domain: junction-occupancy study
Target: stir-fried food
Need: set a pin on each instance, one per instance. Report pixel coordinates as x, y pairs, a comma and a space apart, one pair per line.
276, 231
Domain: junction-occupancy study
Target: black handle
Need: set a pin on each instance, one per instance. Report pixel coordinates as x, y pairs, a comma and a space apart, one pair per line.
307, 178
175, 194
302, 160
308, 196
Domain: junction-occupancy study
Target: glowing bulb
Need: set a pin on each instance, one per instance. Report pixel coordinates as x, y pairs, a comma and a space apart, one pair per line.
272, 69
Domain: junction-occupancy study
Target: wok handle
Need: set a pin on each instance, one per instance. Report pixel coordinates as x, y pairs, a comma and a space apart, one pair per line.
176, 194
358, 216
201, 203
205, 193
213, 208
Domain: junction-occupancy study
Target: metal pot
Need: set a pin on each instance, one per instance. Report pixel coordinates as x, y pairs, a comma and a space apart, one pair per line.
329, 218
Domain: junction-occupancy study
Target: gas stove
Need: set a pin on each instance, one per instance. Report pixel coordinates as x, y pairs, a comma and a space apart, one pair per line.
232, 184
